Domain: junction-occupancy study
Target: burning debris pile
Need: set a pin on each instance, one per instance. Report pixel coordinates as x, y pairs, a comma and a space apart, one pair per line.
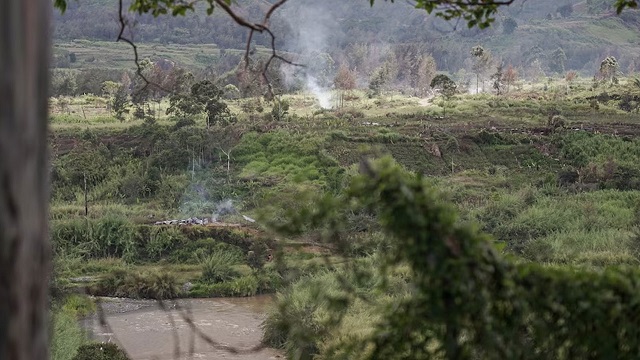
189, 221
221, 209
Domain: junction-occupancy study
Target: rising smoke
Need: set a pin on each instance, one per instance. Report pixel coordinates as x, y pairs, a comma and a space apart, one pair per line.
313, 27
224, 207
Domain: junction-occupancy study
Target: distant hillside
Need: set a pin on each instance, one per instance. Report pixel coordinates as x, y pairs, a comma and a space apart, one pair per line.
586, 31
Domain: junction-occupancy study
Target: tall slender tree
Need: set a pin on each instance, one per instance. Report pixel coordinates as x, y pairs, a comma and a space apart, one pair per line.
24, 191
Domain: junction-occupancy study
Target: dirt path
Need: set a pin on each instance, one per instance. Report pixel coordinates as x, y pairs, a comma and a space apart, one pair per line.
147, 332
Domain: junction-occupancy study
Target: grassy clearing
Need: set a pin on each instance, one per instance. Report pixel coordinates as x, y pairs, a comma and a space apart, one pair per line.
117, 55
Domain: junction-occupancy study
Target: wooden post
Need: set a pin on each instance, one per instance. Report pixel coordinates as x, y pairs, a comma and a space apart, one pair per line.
86, 202
24, 174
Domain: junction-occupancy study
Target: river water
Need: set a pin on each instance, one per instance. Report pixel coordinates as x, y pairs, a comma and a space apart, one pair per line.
226, 328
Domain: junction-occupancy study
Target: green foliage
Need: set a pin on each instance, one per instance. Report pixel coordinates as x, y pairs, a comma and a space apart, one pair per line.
147, 285
610, 69
115, 239
557, 61
67, 336
241, 286
100, 351
162, 242
205, 97
79, 305
379, 79
608, 160
323, 323
120, 102
445, 84
467, 301
85, 161
280, 110
447, 87
107, 237
218, 267
281, 155
476, 13
621, 4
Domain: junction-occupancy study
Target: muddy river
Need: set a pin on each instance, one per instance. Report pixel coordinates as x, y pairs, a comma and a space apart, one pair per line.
225, 328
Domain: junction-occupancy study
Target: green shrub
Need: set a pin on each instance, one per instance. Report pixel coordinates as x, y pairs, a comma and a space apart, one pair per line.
67, 336
80, 305
100, 351
466, 300
387, 136
243, 286
161, 242
147, 285
107, 237
218, 267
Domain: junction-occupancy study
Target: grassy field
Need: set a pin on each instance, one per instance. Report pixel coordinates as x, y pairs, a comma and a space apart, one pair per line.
90, 54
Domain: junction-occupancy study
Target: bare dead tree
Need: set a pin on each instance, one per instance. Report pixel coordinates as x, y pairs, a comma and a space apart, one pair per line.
253, 27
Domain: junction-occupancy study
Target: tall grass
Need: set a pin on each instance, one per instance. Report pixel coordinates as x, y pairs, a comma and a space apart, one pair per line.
583, 247
218, 267
107, 237
66, 335
131, 284
592, 228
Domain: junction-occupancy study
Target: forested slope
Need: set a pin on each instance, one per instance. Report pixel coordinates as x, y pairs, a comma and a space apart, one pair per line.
527, 34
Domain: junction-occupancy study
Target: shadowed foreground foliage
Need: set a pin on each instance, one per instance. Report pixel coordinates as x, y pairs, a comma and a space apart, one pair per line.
465, 299
97, 351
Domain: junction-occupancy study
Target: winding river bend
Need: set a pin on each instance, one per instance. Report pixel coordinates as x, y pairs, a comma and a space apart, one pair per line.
146, 331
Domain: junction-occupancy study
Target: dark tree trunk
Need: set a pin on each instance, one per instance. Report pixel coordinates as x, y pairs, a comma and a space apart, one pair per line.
24, 245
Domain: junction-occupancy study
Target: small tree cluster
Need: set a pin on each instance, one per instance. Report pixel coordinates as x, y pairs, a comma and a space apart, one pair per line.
204, 98
447, 87
610, 69
482, 63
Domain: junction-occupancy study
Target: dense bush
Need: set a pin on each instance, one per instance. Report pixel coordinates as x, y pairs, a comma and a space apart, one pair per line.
130, 284
283, 156
241, 286
218, 267
248, 285
114, 237
466, 300
107, 237
100, 351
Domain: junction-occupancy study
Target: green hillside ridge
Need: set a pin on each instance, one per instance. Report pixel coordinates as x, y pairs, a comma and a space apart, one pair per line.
585, 36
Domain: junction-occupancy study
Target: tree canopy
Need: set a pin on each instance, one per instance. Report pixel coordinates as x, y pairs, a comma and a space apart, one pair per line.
204, 97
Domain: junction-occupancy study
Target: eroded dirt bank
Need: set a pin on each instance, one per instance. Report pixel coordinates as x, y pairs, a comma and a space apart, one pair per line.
147, 331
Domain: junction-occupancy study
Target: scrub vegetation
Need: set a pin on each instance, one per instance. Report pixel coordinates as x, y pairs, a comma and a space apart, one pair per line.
471, 204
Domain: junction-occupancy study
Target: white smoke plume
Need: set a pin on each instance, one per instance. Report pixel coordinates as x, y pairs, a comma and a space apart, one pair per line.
323, 95
223, 208
313, 26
